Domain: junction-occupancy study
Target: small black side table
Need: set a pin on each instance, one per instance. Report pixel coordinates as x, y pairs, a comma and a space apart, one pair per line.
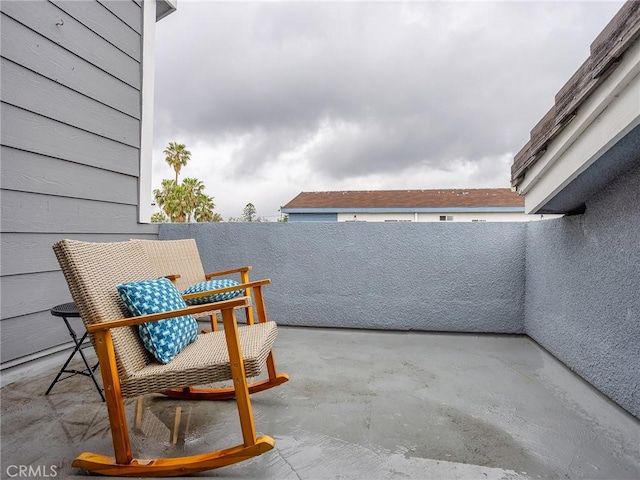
66, 311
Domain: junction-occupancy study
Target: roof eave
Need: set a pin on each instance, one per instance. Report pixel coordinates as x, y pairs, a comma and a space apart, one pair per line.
607, 50
164, 8
609, 115
404, 210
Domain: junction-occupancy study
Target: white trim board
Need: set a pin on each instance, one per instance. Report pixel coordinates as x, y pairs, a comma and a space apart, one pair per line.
611, 112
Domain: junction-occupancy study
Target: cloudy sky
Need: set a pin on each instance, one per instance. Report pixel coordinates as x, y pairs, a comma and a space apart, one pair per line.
275, 98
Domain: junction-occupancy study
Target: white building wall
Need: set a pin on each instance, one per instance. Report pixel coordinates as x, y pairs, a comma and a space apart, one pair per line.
376, 217
435, 217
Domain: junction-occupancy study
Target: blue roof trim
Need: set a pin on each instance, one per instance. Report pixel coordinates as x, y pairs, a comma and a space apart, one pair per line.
405, 210
313, 217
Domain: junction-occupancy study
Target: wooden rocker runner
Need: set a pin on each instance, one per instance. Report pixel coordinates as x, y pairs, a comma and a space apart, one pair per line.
92, 271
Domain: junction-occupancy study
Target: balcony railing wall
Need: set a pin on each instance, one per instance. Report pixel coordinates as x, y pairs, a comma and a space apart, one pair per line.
571, 283
464, 277
583, 289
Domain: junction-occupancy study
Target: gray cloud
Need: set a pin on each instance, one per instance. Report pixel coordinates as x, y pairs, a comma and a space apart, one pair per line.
369, 87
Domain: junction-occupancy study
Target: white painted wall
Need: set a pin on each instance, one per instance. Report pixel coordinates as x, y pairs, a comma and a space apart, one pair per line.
148, 87
435, 217
376, 217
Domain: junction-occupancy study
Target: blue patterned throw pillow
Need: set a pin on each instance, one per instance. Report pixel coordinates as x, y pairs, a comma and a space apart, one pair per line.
212, 285
164, 339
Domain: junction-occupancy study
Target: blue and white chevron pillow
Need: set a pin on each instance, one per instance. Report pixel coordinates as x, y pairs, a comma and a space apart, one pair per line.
164, 339
212, 285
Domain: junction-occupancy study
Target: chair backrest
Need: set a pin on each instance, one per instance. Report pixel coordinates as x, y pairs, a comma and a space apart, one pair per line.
92, 271
175, 257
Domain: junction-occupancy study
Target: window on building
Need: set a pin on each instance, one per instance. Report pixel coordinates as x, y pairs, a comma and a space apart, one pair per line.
446, 218
478, 220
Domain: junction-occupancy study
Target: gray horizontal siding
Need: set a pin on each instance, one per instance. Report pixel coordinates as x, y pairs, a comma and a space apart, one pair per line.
41, 331
31, 50
70, 112
31, 132
103, 22
50, 288
24, 253
51, 214
30, 91
128, 12
51, 22
30, 172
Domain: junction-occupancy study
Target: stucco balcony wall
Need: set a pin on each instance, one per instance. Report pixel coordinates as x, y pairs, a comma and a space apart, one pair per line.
419, 276
583, 290
570, 283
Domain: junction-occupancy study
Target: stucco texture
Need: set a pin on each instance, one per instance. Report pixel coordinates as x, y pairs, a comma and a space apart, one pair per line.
583, 290
455, 277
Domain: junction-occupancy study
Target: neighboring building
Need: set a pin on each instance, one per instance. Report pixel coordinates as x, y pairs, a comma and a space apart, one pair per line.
441, 205
77, 118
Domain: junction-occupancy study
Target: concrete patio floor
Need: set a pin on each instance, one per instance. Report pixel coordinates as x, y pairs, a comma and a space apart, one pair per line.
360, 405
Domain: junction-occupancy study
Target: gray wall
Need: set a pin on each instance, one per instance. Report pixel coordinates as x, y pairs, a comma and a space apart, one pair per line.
70, 149
572, 284
422, 276
583, 290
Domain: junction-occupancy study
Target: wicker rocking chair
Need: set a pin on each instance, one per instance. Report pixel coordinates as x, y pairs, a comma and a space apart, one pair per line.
92, 270
179, 261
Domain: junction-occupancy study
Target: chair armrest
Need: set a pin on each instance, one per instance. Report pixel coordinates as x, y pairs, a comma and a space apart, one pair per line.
209, 276
173, 278
241, 286
192, 310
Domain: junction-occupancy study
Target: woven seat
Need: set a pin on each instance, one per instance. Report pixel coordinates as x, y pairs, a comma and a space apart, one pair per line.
180, 261
205, 361
92, 271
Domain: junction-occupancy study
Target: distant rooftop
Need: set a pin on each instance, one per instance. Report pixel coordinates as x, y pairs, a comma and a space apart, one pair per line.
439, 198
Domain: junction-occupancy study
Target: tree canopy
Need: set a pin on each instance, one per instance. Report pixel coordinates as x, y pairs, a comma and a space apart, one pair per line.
177, 156
249, 212
186, 201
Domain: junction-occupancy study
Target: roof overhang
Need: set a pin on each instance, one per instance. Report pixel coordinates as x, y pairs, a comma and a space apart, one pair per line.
601, 142
164, 8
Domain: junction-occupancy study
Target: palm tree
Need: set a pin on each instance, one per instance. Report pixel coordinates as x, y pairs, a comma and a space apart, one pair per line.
177, 157
182, 202
162, 195
192, 193
204, 210
168, 198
